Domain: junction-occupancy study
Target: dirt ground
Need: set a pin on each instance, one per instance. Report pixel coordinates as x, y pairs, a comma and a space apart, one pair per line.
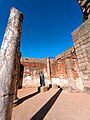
55, 104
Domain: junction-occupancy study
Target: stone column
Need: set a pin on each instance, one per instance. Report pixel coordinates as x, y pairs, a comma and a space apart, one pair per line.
7, 63
48, 69
21, 76
17, 76
70, 74
81, 38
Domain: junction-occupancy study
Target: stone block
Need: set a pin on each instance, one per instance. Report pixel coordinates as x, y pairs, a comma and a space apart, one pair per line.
79, 40
82, 56
87, 88
86, 40
77, 45
83, 68
83, 64
43, 89
80, 52
55, 86
82, 60
68, 63
84, 77
87, 45
85, 71
86, 36
79, 49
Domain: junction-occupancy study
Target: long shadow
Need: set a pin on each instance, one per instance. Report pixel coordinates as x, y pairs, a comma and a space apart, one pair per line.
25, 98
44, 110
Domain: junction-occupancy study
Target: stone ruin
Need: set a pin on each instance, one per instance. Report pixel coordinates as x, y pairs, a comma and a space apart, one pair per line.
10, 64
56, 71
70, 69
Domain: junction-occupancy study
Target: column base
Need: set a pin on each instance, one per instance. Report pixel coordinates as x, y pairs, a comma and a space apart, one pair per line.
43, 89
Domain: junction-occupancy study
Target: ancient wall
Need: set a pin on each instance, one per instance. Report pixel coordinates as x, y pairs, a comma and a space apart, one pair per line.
81, 38
32, 68
62, 71
67, 68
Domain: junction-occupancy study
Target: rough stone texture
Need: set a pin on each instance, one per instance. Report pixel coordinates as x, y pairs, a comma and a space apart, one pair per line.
85, 7
8, 55
21, 76
48, 69
81, 38
17, 76
55, 70
32, 68
70, 73
68, 68
44, 89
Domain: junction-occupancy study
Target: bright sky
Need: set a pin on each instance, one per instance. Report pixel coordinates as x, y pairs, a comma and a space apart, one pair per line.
47, 25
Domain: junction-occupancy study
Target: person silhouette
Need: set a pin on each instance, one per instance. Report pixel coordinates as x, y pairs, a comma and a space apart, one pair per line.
42, 81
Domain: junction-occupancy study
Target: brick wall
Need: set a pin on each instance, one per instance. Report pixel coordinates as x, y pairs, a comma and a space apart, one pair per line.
32, 68
68, 68
62, 72
54, 69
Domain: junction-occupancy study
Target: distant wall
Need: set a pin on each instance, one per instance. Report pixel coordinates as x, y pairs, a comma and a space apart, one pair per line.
32, 68
63, 70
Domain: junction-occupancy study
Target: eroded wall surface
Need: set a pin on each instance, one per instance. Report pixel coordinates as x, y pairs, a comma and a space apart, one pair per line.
62, 71
32, 68
81, 38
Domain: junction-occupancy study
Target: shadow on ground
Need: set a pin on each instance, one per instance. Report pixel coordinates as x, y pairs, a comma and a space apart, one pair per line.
44, 110
24, 98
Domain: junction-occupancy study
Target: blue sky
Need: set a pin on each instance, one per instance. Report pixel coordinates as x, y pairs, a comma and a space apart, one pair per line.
47, 25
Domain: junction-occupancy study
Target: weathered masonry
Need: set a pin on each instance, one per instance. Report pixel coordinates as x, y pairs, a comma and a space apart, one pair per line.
70, 69
81, 38
10, 63
62, 71
85, 7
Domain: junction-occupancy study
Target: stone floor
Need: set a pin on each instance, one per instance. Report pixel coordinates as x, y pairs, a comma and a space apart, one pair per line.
51, 105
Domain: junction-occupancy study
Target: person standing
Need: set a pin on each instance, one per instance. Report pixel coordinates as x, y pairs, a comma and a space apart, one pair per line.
42, 81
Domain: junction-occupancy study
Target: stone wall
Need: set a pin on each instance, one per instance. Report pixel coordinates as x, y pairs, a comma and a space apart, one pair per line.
32, 68
68, 68
62, 70
81, 38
